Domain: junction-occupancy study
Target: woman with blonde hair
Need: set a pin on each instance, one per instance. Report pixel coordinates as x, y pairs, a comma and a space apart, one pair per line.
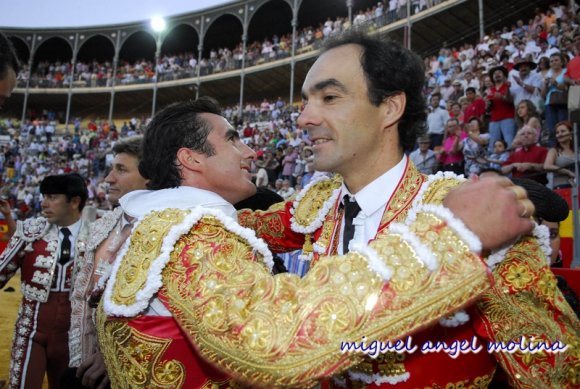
561, 158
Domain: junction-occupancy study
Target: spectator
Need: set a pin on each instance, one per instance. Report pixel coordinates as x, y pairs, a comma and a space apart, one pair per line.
572, 75
499, 155
451, 156
436, 121
286, 190
527, 116
526, 85
501, 108
474, 148
423, 157
528, 160
561, 158
556, 97
476, 107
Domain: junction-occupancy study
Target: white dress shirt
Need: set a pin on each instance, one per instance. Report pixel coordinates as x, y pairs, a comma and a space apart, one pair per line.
372, 200
74, 233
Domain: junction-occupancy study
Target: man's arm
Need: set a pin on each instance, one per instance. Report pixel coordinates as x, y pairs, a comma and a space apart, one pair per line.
10, 223
525, 305
288, 331
10, 259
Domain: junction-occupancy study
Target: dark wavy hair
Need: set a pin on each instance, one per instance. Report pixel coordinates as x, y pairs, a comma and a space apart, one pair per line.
177, 125
390, 69
8, 57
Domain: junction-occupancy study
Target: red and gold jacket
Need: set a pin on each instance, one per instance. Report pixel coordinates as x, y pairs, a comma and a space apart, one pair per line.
212, 276
524, 302
33, 250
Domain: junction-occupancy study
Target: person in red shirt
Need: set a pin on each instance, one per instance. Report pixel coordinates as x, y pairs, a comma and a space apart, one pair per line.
572, 75
501, 108
476, 107
528, 160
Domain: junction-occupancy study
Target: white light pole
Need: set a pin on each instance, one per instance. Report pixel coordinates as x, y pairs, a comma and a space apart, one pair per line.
158, 25
349, 6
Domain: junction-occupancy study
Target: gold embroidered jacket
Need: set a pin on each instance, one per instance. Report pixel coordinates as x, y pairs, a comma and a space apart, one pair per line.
524, 301
285, 331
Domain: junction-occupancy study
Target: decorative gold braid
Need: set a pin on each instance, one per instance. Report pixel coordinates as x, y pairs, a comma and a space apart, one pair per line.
306, 211
526, 301
145, 246
438, 189
136, 357
403, 196
285, 331
478, 383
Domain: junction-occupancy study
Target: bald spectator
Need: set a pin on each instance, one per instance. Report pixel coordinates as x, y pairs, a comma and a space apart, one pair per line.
527, 161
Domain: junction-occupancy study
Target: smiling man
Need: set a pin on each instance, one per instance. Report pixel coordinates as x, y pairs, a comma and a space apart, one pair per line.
111, 231
46, 249
360, 116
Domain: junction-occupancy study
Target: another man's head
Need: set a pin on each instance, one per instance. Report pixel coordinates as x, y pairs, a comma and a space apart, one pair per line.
424, 142
470, 94
9, 67
64, 197
362, 114
191, 144
124, 176
498, 74
435, 100
527, 136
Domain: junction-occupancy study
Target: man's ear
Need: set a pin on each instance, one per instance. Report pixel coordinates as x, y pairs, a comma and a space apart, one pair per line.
190, 159
75, 201
393, 109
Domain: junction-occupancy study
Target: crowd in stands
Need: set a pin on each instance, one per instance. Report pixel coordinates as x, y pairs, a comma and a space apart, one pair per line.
503, 103
31, 150
491, 106
185, 65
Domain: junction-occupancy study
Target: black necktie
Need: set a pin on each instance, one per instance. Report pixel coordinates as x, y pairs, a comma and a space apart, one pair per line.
351, 209
65, 246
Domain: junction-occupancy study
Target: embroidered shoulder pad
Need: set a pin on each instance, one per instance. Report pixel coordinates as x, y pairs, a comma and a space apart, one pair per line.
137, 271
32, 229
436, 187
102, 227
313, 203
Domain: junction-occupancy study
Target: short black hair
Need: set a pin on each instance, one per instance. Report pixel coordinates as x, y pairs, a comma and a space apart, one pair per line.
470, 89
70, 185
390, 69
177, 125
8, 57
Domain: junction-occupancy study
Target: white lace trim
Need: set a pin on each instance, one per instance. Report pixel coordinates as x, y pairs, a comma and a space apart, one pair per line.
154, 279
373, 259
423, 254
454, 320
540, 232
102, 227
31, 230
317, 223
378, 379
430, 179
468, 237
